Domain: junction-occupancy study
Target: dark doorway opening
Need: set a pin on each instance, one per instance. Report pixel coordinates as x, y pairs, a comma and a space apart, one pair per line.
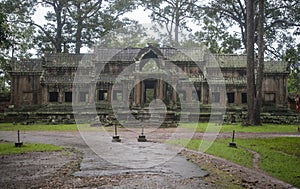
102, 95
53, 97
244, 98
150, 91
68, 96
230, 97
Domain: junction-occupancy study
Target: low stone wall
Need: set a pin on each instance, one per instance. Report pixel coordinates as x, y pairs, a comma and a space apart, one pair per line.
64, 114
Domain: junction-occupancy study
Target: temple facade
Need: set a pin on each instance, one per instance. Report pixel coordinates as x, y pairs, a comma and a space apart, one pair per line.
136, 76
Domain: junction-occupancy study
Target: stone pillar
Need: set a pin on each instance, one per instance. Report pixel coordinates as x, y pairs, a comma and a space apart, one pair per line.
174, 95
44, 95
109, 90
125, 93
142, 94
160, 89
223, 96
60, 95
92, 93
76, 95
137, 98
189, 94
237, 98
205, 93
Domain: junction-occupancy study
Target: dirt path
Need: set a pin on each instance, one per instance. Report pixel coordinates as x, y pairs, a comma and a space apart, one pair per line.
176, 173
255, 160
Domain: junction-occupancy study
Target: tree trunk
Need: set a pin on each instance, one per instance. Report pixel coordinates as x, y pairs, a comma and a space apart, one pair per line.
59, 25
250, 62
176, 29
78, 36
260, 66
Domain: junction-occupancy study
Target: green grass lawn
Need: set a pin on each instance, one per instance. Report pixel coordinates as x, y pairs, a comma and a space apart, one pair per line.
38, 127
272, 128
9, 148
201, 127
45, 127
279, 157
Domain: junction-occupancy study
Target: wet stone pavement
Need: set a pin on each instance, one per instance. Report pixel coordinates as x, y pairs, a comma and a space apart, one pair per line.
151, 164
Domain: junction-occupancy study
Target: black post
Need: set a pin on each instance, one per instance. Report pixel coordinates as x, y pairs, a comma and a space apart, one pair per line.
19, 143
232, 143
116, 138
18, 135
142, 137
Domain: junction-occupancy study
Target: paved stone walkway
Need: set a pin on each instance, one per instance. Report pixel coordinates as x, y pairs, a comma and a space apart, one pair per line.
141, 157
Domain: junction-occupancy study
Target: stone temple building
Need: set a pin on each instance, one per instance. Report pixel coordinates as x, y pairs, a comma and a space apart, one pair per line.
49, 87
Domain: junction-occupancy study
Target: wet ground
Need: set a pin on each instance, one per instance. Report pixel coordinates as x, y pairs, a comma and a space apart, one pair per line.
165, 168
129, 164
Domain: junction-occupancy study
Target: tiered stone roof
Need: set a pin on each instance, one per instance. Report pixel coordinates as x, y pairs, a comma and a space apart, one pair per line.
106, 55
32, 65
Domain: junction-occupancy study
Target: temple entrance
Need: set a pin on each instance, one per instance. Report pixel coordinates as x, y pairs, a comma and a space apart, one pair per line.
149, 91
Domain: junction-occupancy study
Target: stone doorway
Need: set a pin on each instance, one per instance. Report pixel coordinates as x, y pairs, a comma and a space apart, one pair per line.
150, 87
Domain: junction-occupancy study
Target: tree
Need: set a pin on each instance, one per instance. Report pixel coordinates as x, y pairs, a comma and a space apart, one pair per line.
171, 14
18, 13
91, 19
216, 37
69, 25
292, 56
4, 32
134, 35
4, 45
51, 35
16, 37
66, 22
250, 61
260, 62
254, 82
280, 16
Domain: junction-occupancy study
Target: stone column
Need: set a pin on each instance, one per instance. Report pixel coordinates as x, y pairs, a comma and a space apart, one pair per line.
125, 93
60, 95
142, 92
109, 93
174, 95
76, 95
92, 93
223, 97
205, 93
237, 97
45, 94
189, 94
160, 90
137, 99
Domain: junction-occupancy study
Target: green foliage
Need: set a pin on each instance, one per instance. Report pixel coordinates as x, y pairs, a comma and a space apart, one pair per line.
46, 127
37, 127
292, 56
5, 43
4, 32
266, 128
219, 17
9, 148
217, 38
